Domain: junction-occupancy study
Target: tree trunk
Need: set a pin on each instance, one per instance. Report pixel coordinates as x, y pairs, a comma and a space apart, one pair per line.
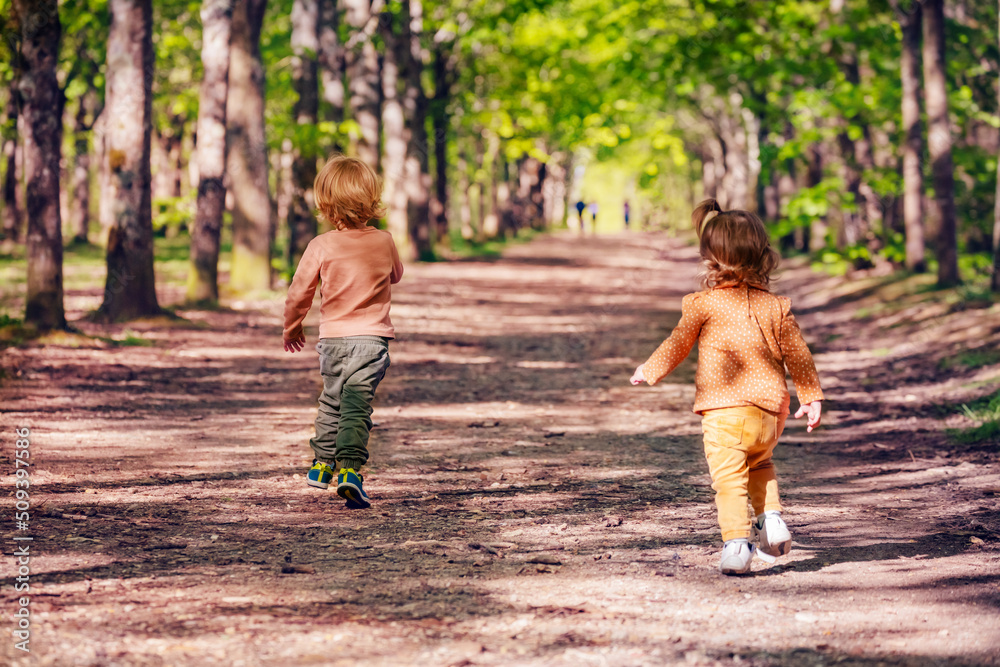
913, 146
491, 221
167, 179
554, 191
394, 134
505, 203
302, 224
736, 180
79, 212
130, 288
331, 63
443, 65
203, 278
709, 187
815, 235
176, 158
529, 203
42, 115
247, 152
939, 143
995, 279
464, 197
105, 193
363, 78
856, 226
416, 174
11, 210
282, 167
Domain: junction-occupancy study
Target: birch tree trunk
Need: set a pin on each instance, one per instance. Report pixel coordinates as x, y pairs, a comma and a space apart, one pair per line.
42, 113
363, 78
302, 225
913, 146
939, 143
203, 278
253, 223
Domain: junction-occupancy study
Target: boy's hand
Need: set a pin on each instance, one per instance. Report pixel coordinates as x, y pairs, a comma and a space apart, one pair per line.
812, 411
295, 344
638, 377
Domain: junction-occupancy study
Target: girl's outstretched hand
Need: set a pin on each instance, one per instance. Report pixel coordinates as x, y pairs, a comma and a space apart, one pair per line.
295, 344
638, 377
812, 411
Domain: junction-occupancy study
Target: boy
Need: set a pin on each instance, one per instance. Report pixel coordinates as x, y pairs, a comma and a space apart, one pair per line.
355, 264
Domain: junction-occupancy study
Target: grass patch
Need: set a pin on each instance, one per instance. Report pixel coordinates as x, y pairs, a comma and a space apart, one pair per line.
985, 411
132, 339
976, 358
13, 331
467, 248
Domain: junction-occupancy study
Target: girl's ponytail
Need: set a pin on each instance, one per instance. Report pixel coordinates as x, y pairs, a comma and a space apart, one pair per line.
701, 212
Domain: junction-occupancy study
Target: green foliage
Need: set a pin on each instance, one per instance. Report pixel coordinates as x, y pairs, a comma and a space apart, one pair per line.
642, 86
171, 214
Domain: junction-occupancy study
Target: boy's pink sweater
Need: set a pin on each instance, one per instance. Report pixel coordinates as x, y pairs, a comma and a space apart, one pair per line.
355, 268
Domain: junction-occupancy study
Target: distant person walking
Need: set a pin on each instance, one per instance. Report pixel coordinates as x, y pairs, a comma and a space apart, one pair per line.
593, 215
628, 210
580, 206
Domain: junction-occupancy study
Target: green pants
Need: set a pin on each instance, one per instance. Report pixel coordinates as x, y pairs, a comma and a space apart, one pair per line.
352, 367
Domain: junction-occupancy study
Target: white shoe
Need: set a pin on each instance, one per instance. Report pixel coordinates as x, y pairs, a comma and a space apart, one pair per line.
772, 532
736, 557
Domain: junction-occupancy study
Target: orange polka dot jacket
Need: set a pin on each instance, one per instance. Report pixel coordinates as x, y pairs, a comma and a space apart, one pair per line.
746, 338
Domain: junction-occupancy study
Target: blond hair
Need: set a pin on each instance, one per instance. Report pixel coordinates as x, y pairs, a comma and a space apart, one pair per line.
348, 193
735, 248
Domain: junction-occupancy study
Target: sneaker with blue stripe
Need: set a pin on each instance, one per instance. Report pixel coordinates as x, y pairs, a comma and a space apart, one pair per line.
349, 487
320, 475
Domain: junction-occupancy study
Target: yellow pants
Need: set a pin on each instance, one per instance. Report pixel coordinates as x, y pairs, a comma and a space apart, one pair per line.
738, 446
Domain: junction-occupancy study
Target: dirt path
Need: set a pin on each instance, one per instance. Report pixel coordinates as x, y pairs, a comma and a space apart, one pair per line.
531, 508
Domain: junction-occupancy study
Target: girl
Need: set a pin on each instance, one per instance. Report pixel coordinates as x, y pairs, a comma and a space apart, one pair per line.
747, 338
